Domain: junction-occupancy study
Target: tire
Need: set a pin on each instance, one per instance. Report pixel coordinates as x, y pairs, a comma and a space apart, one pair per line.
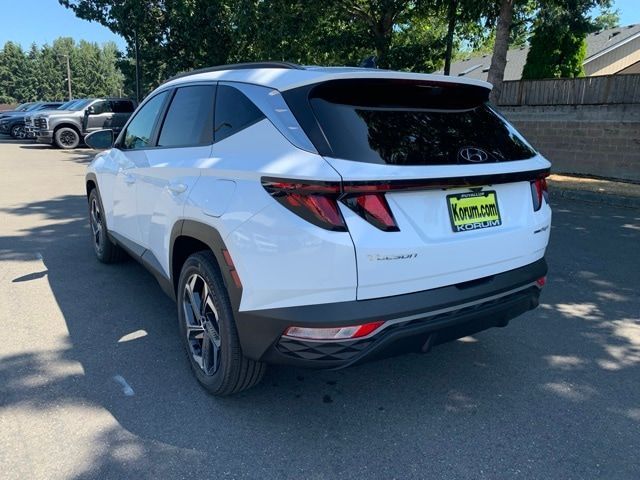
15, 130
220, 367
106, 251
66, 138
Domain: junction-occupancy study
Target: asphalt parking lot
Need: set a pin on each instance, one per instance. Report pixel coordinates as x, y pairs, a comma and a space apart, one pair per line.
94, 384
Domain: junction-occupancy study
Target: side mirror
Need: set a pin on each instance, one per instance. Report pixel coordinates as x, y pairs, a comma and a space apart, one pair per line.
90, 110
100, 140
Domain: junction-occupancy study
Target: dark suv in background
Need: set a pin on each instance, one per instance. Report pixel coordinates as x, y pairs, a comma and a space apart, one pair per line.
12, 123
67, 128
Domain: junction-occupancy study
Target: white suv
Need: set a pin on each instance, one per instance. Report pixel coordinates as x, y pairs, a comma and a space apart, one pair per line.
322, 217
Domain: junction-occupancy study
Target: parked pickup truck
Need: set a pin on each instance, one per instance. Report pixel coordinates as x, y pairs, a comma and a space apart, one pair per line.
29, 126
67, 129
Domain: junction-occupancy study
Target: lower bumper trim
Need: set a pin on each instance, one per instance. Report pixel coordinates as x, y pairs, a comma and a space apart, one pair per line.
417, 335
445, 313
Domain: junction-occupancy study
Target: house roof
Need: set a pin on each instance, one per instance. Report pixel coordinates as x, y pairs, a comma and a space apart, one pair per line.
598, 43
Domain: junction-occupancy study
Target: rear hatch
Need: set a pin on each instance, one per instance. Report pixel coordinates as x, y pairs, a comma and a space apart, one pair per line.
437, 187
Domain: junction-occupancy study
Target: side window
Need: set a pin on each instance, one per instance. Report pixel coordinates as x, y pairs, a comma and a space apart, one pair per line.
122, 106
140, 129
101, 107
234, 112
189, 119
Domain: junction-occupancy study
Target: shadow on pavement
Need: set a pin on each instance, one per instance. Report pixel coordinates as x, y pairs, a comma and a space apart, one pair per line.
557, 386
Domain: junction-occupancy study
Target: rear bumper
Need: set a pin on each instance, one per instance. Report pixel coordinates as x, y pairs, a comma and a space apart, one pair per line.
414, 322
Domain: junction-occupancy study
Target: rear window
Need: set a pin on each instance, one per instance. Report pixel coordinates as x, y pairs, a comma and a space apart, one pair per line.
413, 123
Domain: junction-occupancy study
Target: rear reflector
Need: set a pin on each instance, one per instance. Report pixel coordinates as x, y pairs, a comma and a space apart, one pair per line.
232, 268
541, 282
338, 333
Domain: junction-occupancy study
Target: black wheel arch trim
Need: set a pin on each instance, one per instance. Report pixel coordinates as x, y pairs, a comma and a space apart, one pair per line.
209, 236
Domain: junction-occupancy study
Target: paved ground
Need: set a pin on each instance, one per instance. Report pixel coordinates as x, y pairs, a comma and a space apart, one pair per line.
595, 185
596, 190
555, 395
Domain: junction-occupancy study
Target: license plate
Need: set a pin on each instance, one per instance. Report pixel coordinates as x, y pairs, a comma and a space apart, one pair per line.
473, 210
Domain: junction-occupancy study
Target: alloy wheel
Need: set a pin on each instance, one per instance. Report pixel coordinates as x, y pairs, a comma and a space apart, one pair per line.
202, 325
96, 223
67, 138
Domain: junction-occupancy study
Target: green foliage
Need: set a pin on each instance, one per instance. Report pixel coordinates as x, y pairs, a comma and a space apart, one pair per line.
180, 35
40, 73
558, 46
608, 18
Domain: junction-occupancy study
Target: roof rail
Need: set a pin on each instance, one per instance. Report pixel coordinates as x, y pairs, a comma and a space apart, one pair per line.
238, 66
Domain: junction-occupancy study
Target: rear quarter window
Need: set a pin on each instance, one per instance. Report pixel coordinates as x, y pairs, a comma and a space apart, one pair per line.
234, 112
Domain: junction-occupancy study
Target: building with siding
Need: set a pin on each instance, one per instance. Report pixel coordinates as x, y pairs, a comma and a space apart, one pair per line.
609, 52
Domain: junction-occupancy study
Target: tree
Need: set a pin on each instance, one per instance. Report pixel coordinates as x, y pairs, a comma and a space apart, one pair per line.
175, 35
608, 18
558, 44
13, 70
501, 46
460, 13
40, 73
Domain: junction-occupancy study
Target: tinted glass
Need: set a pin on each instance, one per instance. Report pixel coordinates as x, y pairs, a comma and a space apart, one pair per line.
80, 104
122, 106
234, 112
33, 107
101, 107
407, 126
140, 129
189, 119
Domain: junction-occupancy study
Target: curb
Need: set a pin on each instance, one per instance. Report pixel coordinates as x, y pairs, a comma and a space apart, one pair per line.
594, 197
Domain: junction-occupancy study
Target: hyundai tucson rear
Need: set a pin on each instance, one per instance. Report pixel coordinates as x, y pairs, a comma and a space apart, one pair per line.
324, 217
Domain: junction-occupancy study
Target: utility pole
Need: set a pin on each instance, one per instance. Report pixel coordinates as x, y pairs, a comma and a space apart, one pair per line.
68, 75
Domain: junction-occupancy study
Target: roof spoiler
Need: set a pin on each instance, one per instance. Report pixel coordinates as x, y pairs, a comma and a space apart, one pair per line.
401, 93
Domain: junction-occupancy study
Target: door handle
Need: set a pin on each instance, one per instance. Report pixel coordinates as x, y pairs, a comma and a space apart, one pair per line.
177, 188
129, 179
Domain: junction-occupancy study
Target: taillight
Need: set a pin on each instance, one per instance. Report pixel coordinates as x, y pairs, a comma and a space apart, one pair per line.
315, 202
373, 207
335, 333
539, 190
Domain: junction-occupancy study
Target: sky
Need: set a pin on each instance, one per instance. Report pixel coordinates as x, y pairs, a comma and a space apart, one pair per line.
42, 21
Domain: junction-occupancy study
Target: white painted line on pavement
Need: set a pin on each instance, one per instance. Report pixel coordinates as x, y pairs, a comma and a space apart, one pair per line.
133, 336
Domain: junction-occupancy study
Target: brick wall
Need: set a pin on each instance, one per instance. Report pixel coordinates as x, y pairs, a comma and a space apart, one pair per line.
602, 140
